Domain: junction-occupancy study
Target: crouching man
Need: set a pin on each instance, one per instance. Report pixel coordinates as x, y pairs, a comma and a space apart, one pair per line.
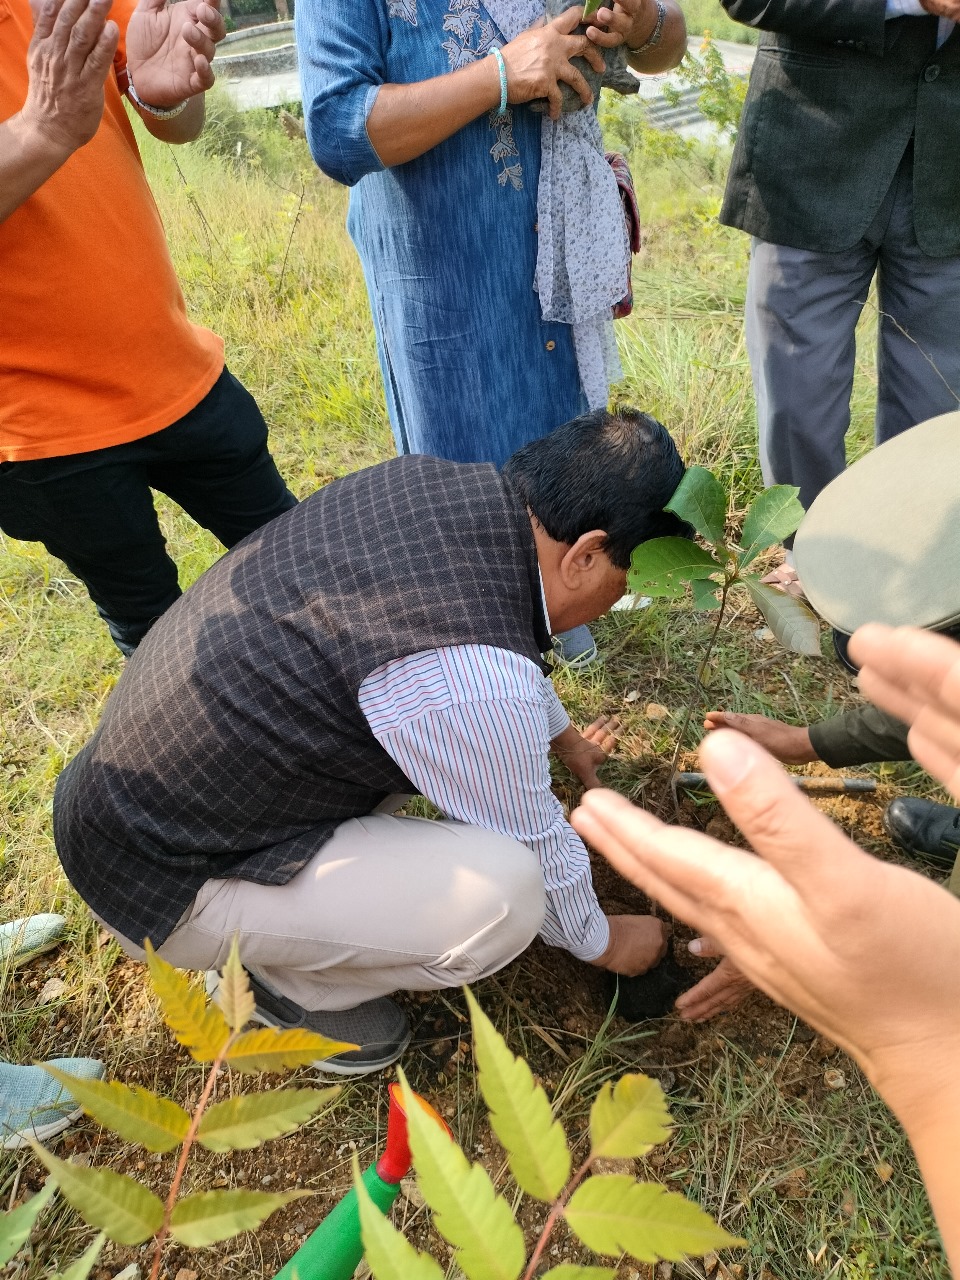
381, 639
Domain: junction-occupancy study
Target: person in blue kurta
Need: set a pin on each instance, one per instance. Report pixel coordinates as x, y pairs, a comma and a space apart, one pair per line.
491, 233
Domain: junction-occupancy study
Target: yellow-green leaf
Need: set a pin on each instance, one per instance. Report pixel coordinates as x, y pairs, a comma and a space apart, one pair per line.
241, 1123
272, 1050
211, 1216
15, 1226
701, 500
126, 1211
133, 1112
387, 1253
615, 1215
467, 1211
569, 1271
773, 516
199, 1026
81, 1269
520, 1113
233, 993
628, 1118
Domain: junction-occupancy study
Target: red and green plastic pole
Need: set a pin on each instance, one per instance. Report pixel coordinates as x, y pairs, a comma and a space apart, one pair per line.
335, 1249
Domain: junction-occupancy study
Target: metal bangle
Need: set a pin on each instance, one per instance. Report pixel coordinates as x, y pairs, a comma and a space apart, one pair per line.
655, 34
158, 113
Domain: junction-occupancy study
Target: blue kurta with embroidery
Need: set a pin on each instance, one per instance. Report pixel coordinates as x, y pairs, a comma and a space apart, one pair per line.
448, 241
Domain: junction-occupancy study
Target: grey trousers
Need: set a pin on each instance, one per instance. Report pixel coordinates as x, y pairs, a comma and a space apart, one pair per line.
801, 314
387, 904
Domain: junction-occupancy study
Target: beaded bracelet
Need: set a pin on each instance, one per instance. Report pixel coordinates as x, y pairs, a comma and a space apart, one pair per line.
158, 113
655, 34
502, 67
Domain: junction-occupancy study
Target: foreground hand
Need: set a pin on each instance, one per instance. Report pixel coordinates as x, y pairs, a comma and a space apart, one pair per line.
584, 753
68, 60
720, 991
866, 952
916, 676
170, 48
636, 944
788, 743
539, 59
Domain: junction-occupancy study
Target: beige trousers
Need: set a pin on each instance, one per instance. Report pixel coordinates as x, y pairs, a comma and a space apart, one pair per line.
387, 904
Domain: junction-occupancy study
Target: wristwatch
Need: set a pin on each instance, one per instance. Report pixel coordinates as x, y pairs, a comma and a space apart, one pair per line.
655, 34
164, 113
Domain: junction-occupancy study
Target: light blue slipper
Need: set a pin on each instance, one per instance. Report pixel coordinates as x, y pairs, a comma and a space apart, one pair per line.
34, 1105
21, 940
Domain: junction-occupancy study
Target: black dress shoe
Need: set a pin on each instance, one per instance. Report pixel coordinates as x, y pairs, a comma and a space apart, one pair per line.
925, 829
841, 642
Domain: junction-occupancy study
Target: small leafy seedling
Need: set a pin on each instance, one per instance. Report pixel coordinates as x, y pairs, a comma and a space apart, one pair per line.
611, 1214
128, 1212
665, 566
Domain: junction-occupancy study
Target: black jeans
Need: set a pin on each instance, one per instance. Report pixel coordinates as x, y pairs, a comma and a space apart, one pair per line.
94, 511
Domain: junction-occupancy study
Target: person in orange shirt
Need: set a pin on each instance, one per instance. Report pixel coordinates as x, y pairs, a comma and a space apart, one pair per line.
107, 391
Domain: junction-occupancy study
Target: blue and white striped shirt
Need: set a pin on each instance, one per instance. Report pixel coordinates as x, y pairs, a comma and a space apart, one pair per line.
471, 727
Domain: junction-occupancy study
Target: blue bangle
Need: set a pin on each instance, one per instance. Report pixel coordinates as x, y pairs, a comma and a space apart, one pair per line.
495, 53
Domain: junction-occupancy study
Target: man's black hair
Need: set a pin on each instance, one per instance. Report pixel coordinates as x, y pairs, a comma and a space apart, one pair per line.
610, 471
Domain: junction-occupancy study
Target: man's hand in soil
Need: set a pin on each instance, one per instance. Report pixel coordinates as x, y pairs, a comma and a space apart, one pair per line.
636, 944
788, 743
584, 753
720, 991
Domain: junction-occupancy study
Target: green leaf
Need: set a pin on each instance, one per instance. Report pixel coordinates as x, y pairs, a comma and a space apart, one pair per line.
614, 1215
663, 566
81, 1269
701, 500
704, 593
131, 1111
241, 1123
233, 992
271, 1050
200, 1027
773, 516
794, 623
211, 1216
590, 7
126, 1211
628, 1118
15, 1226
520, 1113
387, 1253
467, 1211
569, 1271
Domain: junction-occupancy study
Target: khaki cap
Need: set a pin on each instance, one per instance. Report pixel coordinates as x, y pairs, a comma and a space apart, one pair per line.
881, 543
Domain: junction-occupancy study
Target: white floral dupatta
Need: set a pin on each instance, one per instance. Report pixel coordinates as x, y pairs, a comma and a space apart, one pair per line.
583, 251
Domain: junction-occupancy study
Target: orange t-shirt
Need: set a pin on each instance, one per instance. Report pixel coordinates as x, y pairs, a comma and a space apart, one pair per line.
95, 345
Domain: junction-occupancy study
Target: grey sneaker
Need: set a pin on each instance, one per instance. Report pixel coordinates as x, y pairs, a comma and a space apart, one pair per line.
380, 1027
575, 649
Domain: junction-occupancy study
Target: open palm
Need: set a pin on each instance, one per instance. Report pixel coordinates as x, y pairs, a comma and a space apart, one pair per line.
170, 48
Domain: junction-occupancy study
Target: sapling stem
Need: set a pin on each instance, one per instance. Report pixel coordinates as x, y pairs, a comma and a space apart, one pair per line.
188, 1142
698, 690
552, 1217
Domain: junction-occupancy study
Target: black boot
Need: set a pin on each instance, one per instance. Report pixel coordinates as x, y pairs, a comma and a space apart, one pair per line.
925, 829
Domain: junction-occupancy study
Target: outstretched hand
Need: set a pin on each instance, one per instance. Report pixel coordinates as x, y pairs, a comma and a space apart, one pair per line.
818, 924
170, 49
584, 752
790, 744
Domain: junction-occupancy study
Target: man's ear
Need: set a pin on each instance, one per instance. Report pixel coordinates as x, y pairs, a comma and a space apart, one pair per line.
583, 556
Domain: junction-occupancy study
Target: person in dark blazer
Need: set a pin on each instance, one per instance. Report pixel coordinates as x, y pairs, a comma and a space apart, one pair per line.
846, 168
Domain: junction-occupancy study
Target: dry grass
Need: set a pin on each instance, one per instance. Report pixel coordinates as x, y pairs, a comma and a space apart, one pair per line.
265, 260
